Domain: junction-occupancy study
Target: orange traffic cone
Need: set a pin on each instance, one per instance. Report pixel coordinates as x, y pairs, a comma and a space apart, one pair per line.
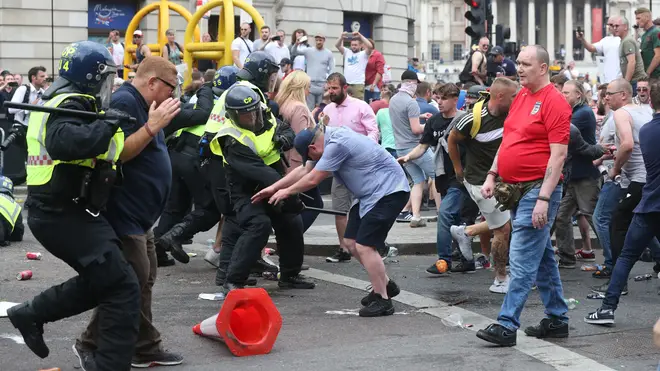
248, 322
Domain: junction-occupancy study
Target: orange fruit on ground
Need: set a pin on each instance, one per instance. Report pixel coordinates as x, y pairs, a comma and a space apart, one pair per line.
441, 266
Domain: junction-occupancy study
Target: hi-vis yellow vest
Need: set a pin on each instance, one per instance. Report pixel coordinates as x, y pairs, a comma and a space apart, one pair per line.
217, 117
40, 165
9, 209
197, 130
262, 145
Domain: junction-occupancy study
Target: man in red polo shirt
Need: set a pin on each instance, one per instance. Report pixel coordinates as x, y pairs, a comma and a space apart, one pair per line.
536, 134
373, 75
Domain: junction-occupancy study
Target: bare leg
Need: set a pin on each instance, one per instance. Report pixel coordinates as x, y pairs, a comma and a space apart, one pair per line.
500, 247
583, 224
416, 196
340, 225
217, 245
373, 264
477, 229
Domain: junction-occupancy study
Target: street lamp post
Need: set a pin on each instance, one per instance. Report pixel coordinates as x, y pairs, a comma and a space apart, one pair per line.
432, 38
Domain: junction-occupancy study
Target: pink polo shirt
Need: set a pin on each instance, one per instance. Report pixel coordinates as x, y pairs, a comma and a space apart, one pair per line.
355, 114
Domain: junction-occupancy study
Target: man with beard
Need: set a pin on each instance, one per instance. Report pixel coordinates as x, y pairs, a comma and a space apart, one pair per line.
358, 116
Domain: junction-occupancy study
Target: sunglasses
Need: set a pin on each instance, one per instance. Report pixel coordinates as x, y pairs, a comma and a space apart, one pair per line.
642, 89
168, 85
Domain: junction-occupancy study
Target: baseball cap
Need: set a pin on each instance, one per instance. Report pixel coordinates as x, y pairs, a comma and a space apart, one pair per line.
497, 50
285, 61
303, 140
318, 34
409, 75
137, 32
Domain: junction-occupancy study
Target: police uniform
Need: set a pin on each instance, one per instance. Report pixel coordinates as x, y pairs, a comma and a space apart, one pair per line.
72, 164
188, 183
12, 228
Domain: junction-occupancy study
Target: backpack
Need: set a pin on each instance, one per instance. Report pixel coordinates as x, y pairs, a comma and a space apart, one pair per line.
168, 48
476, 114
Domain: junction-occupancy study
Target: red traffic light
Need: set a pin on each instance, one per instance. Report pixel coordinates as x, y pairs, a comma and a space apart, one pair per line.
472, 3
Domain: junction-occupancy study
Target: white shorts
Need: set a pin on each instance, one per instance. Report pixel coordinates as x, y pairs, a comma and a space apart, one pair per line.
494, 216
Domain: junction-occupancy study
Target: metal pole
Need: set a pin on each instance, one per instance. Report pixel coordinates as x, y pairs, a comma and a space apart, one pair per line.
52, 35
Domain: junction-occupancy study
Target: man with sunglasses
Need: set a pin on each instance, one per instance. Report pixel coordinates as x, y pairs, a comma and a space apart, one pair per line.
631, 63
643, 98
608, 47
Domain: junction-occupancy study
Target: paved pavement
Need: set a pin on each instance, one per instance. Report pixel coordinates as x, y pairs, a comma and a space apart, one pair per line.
313, 339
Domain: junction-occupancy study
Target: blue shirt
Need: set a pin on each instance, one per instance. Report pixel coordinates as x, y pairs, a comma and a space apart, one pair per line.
649, 137
509, 67
425, 107
585, 120
135, 206
367, 170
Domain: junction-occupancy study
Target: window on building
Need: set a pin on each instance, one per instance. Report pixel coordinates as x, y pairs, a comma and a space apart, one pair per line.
458, 14
435, 15
458, 52
435, 52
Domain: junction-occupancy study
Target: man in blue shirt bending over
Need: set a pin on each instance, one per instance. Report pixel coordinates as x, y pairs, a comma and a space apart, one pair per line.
378, 184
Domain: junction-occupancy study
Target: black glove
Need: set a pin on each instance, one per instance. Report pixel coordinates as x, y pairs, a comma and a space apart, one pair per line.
292, 205
114, 117
18, 129
282, 142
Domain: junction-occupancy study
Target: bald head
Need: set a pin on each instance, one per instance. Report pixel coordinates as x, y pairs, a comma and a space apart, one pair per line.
533, 66
621, 85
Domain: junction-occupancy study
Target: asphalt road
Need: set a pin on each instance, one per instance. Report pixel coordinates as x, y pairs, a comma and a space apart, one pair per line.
312, 339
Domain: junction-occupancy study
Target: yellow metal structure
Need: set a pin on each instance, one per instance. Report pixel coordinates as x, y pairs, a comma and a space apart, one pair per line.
163, 7
219, 51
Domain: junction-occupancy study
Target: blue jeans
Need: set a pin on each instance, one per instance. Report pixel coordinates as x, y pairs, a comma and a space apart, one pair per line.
608, 201
642, 229
449, 214
532, 259
370, 96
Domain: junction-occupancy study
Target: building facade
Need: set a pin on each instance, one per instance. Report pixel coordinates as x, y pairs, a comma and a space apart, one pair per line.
552, 23
34, 33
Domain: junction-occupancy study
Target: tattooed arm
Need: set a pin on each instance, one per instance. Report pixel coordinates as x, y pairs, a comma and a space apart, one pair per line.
553, 171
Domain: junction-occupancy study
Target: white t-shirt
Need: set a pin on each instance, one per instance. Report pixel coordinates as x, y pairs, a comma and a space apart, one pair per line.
609, 48
240, 45
299, 60
354, 66
278, 53
118, 54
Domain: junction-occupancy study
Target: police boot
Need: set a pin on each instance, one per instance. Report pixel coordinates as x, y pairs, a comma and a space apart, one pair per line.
163, 259
171, 241
221, 275
23, 318
261, 266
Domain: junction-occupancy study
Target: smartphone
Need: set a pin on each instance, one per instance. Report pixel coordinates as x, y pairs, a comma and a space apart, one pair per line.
303, 39
13, 84
275, 38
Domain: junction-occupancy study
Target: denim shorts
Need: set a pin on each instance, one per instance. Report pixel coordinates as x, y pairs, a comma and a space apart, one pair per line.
420, 169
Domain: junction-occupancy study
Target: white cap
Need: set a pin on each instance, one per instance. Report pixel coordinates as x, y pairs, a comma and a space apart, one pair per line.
137, 32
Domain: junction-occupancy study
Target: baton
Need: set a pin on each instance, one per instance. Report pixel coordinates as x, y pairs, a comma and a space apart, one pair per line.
319, 210
65, 111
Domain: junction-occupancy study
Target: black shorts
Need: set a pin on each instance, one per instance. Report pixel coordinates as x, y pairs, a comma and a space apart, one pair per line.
372, 229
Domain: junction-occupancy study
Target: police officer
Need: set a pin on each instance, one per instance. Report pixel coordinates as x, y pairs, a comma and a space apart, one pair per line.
188, 185
250, 143
212, 173
72, 165
11, 228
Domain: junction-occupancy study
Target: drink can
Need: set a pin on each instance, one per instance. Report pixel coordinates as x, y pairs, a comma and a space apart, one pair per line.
24, 276
33, 255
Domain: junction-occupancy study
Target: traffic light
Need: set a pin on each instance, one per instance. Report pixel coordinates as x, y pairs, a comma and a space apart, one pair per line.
501, 34
476, 14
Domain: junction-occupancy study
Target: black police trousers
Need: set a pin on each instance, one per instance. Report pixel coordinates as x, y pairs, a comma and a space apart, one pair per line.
105, 281
188, 185
8, 235
246, 234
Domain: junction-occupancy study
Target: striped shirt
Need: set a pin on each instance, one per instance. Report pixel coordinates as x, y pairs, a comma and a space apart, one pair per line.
480, 150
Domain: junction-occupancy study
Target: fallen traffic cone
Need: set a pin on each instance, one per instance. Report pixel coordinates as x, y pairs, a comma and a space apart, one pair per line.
248, 322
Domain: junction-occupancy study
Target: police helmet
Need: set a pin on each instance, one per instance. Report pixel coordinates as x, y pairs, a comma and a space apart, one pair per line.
85, 67
6, 186
223, 79
475, 91
260, 69
243, 107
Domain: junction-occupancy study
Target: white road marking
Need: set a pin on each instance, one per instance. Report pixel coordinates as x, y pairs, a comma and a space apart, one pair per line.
18, 339
551, 354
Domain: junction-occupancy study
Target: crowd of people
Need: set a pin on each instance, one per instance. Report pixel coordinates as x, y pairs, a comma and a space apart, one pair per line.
247, 146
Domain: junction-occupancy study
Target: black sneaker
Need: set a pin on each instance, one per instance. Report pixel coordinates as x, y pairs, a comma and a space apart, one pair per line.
378, 307
566, 265
340, 256
165, 261
295, 282
85, 357
392, 291
433, 269
221, 275
548, 328
600, 317
22, 318
175, 248
602, 289
261, 266
161, 359
404, 217
464, 266
604, 273
498, 334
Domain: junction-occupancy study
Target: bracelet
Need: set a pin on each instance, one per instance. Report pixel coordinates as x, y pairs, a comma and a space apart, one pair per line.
542, 198
494, 174
151, 133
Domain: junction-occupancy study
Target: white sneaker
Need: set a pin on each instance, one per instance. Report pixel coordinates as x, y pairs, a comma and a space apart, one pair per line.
212, 258
464, 241
500, 287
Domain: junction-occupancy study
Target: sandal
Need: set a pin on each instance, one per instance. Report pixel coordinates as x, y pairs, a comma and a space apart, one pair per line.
604, 272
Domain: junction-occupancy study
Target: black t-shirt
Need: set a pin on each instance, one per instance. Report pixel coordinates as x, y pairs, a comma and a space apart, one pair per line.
435, 129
